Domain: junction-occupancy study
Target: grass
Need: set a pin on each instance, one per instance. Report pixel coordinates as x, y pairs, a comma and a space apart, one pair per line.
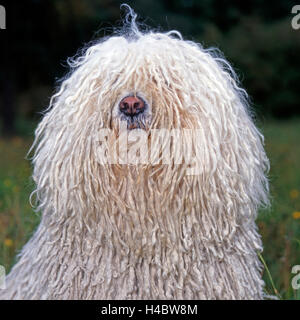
17, 219
280, 226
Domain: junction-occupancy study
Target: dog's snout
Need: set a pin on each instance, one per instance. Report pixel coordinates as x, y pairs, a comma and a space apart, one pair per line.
132, 106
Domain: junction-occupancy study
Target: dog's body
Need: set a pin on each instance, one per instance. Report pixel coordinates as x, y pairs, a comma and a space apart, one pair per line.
146, 231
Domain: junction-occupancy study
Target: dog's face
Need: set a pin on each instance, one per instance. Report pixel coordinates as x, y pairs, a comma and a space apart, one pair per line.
144, 85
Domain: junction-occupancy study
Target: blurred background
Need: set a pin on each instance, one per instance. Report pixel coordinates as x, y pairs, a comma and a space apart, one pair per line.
256, 37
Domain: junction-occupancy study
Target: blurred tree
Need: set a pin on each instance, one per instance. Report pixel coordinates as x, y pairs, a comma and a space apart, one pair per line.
256, 36
8, 75
266, 56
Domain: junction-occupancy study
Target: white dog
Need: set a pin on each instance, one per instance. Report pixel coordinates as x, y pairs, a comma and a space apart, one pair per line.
150, 230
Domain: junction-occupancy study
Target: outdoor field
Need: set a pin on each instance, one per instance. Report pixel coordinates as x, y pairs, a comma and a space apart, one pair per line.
279, 225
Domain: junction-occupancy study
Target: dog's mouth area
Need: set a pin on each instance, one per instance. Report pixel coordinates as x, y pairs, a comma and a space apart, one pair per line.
134, 122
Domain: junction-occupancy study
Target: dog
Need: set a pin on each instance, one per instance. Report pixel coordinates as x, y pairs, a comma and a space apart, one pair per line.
140, 229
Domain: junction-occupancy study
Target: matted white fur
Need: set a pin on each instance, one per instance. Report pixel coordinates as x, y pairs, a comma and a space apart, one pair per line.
111, 231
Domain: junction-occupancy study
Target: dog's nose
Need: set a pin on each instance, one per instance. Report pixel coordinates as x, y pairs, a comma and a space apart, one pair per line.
131, 106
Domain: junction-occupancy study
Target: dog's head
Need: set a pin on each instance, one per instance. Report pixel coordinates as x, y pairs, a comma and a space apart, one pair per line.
149, 81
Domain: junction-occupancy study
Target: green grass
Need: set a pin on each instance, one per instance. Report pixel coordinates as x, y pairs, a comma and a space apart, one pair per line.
17, 219
279, 226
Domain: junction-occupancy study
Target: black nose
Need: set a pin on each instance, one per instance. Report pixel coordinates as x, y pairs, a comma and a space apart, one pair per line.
132, 106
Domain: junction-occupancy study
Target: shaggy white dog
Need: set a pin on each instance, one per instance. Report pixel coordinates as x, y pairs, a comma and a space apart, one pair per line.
150, 230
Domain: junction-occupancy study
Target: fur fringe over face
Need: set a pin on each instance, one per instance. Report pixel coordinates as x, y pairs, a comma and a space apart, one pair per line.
145, 231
